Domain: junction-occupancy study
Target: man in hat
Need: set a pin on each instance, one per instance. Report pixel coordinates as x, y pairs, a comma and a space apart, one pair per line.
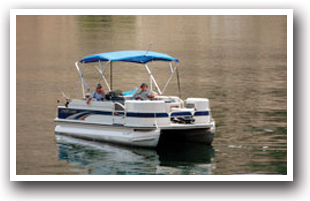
99, 94
144, 93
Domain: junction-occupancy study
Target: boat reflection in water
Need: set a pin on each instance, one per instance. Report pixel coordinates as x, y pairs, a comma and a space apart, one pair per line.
98, 158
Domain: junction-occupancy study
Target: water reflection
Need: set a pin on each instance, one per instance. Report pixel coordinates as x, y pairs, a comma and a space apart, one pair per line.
102, 158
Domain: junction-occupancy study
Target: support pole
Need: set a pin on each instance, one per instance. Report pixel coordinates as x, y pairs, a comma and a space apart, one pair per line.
151, 81
169, 79
100, 66
152, 77
111, 75
178, 80
103, 77
83, 82
100, 71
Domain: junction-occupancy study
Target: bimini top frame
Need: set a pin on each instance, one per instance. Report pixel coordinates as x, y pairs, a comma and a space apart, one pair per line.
142, 57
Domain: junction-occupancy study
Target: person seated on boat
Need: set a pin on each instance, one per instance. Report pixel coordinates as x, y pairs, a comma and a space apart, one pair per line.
98, 94
144, 93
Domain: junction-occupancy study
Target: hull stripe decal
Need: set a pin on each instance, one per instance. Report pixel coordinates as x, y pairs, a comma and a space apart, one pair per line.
146, 115
64, 113
202, 113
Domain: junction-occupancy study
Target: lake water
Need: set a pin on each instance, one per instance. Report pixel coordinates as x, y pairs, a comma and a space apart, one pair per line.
238, 62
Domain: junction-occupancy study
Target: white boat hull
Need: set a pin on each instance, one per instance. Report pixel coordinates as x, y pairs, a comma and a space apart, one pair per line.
114, 134
140, 123
140, 137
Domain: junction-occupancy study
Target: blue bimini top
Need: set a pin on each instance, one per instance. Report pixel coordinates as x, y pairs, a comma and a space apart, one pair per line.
129, 56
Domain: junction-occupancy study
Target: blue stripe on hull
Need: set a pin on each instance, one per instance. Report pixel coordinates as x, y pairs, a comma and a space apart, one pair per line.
146, 115
64, 113
176, 114
202, 113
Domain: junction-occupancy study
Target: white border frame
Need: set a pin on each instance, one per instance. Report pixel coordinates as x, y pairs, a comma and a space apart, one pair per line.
287, 12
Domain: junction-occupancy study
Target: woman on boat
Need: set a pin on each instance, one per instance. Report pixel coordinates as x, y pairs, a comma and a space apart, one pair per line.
99, 94
144, 93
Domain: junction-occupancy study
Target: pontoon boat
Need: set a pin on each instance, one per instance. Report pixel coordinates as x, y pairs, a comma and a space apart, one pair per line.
121, 119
